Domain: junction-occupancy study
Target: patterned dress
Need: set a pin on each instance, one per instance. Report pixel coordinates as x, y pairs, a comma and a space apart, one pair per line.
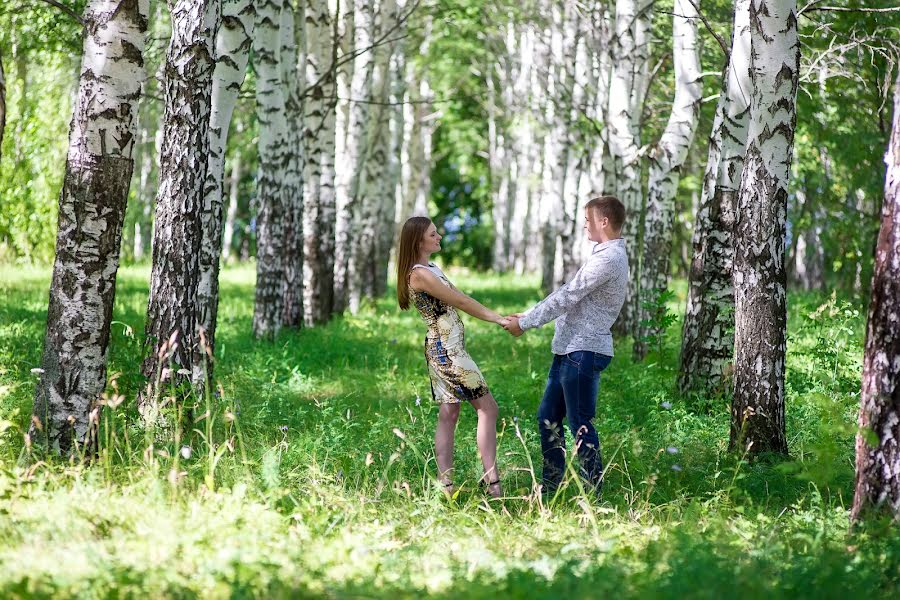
454, 375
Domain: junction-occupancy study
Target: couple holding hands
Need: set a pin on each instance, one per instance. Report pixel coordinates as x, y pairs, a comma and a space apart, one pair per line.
584, 309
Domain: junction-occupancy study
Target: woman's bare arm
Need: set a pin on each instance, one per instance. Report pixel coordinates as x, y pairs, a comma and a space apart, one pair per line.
425, 281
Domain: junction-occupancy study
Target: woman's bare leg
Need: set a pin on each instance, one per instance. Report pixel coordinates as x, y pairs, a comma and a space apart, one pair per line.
486, 437
448, 415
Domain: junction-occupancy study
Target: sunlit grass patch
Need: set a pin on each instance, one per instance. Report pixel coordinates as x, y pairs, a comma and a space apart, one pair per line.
313, 473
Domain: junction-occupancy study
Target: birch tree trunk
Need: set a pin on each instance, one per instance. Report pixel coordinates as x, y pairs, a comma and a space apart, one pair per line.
625, 99
233, 199
274, 154
707, 342
498, 164
757, 409
144, 152
91, 211
232, 55
319, 148
2, 106
348, 178
555, 149
878, 443
601, 50
172, 310
575, 49
809, 257
415, 153
666, 160
292, 64
523, 140
366, 259
399, 149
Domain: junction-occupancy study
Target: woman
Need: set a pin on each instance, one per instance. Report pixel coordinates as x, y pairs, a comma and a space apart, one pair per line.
454, 375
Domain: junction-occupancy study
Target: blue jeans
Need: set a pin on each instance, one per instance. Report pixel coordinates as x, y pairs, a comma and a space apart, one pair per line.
572, 391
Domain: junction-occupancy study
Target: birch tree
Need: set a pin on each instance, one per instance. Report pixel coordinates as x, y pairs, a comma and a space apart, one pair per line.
707, 343
2, 104
554, 150
274, 151
878, 443
291, 61
319, 148
626, 91
418, 127
666, 160
757, 410
232, 54
366, 258
99, 166
172, 310
233, 198
347, 184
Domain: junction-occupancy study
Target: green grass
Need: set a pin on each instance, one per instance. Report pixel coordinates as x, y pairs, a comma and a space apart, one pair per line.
324, 482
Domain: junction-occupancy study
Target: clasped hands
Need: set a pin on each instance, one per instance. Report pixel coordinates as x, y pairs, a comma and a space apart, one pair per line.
511, 324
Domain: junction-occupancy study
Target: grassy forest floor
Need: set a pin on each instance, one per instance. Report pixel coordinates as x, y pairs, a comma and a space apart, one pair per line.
326, 487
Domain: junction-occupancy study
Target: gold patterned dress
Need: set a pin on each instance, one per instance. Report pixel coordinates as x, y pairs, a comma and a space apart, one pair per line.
454, 375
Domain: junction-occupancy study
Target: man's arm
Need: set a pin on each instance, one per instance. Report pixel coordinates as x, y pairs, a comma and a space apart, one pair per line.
588, 278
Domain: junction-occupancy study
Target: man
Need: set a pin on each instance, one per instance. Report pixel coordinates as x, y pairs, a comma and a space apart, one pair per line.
585, 309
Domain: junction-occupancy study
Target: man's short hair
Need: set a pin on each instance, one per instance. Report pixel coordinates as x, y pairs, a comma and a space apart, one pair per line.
609, 207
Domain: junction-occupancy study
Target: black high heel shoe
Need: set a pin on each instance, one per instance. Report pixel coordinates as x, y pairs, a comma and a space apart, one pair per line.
486, 487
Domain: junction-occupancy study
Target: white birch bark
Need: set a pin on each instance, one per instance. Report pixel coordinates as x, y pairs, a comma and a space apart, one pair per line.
707, 344
232, 54
234, 195
601, 50
348, 176
523, 135
757, 409
539, 99
878, 461
399, 140
622, 155
2, 105
172, 309
555, 148
274, 154
391, 187
418, 126
292, 66
319, 148
666, 160
91, 212
366, 259
576, 53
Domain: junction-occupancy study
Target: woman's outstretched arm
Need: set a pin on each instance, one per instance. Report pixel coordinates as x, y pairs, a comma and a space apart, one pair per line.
425, 281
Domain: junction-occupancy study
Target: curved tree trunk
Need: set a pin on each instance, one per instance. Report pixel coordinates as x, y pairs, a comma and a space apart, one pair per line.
99, 165
666, 161
878, 461
232, 55
172, 309
707, 342
274, 153
757, 408
319, 148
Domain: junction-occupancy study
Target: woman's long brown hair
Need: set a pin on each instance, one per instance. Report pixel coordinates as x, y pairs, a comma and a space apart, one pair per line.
412, 233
